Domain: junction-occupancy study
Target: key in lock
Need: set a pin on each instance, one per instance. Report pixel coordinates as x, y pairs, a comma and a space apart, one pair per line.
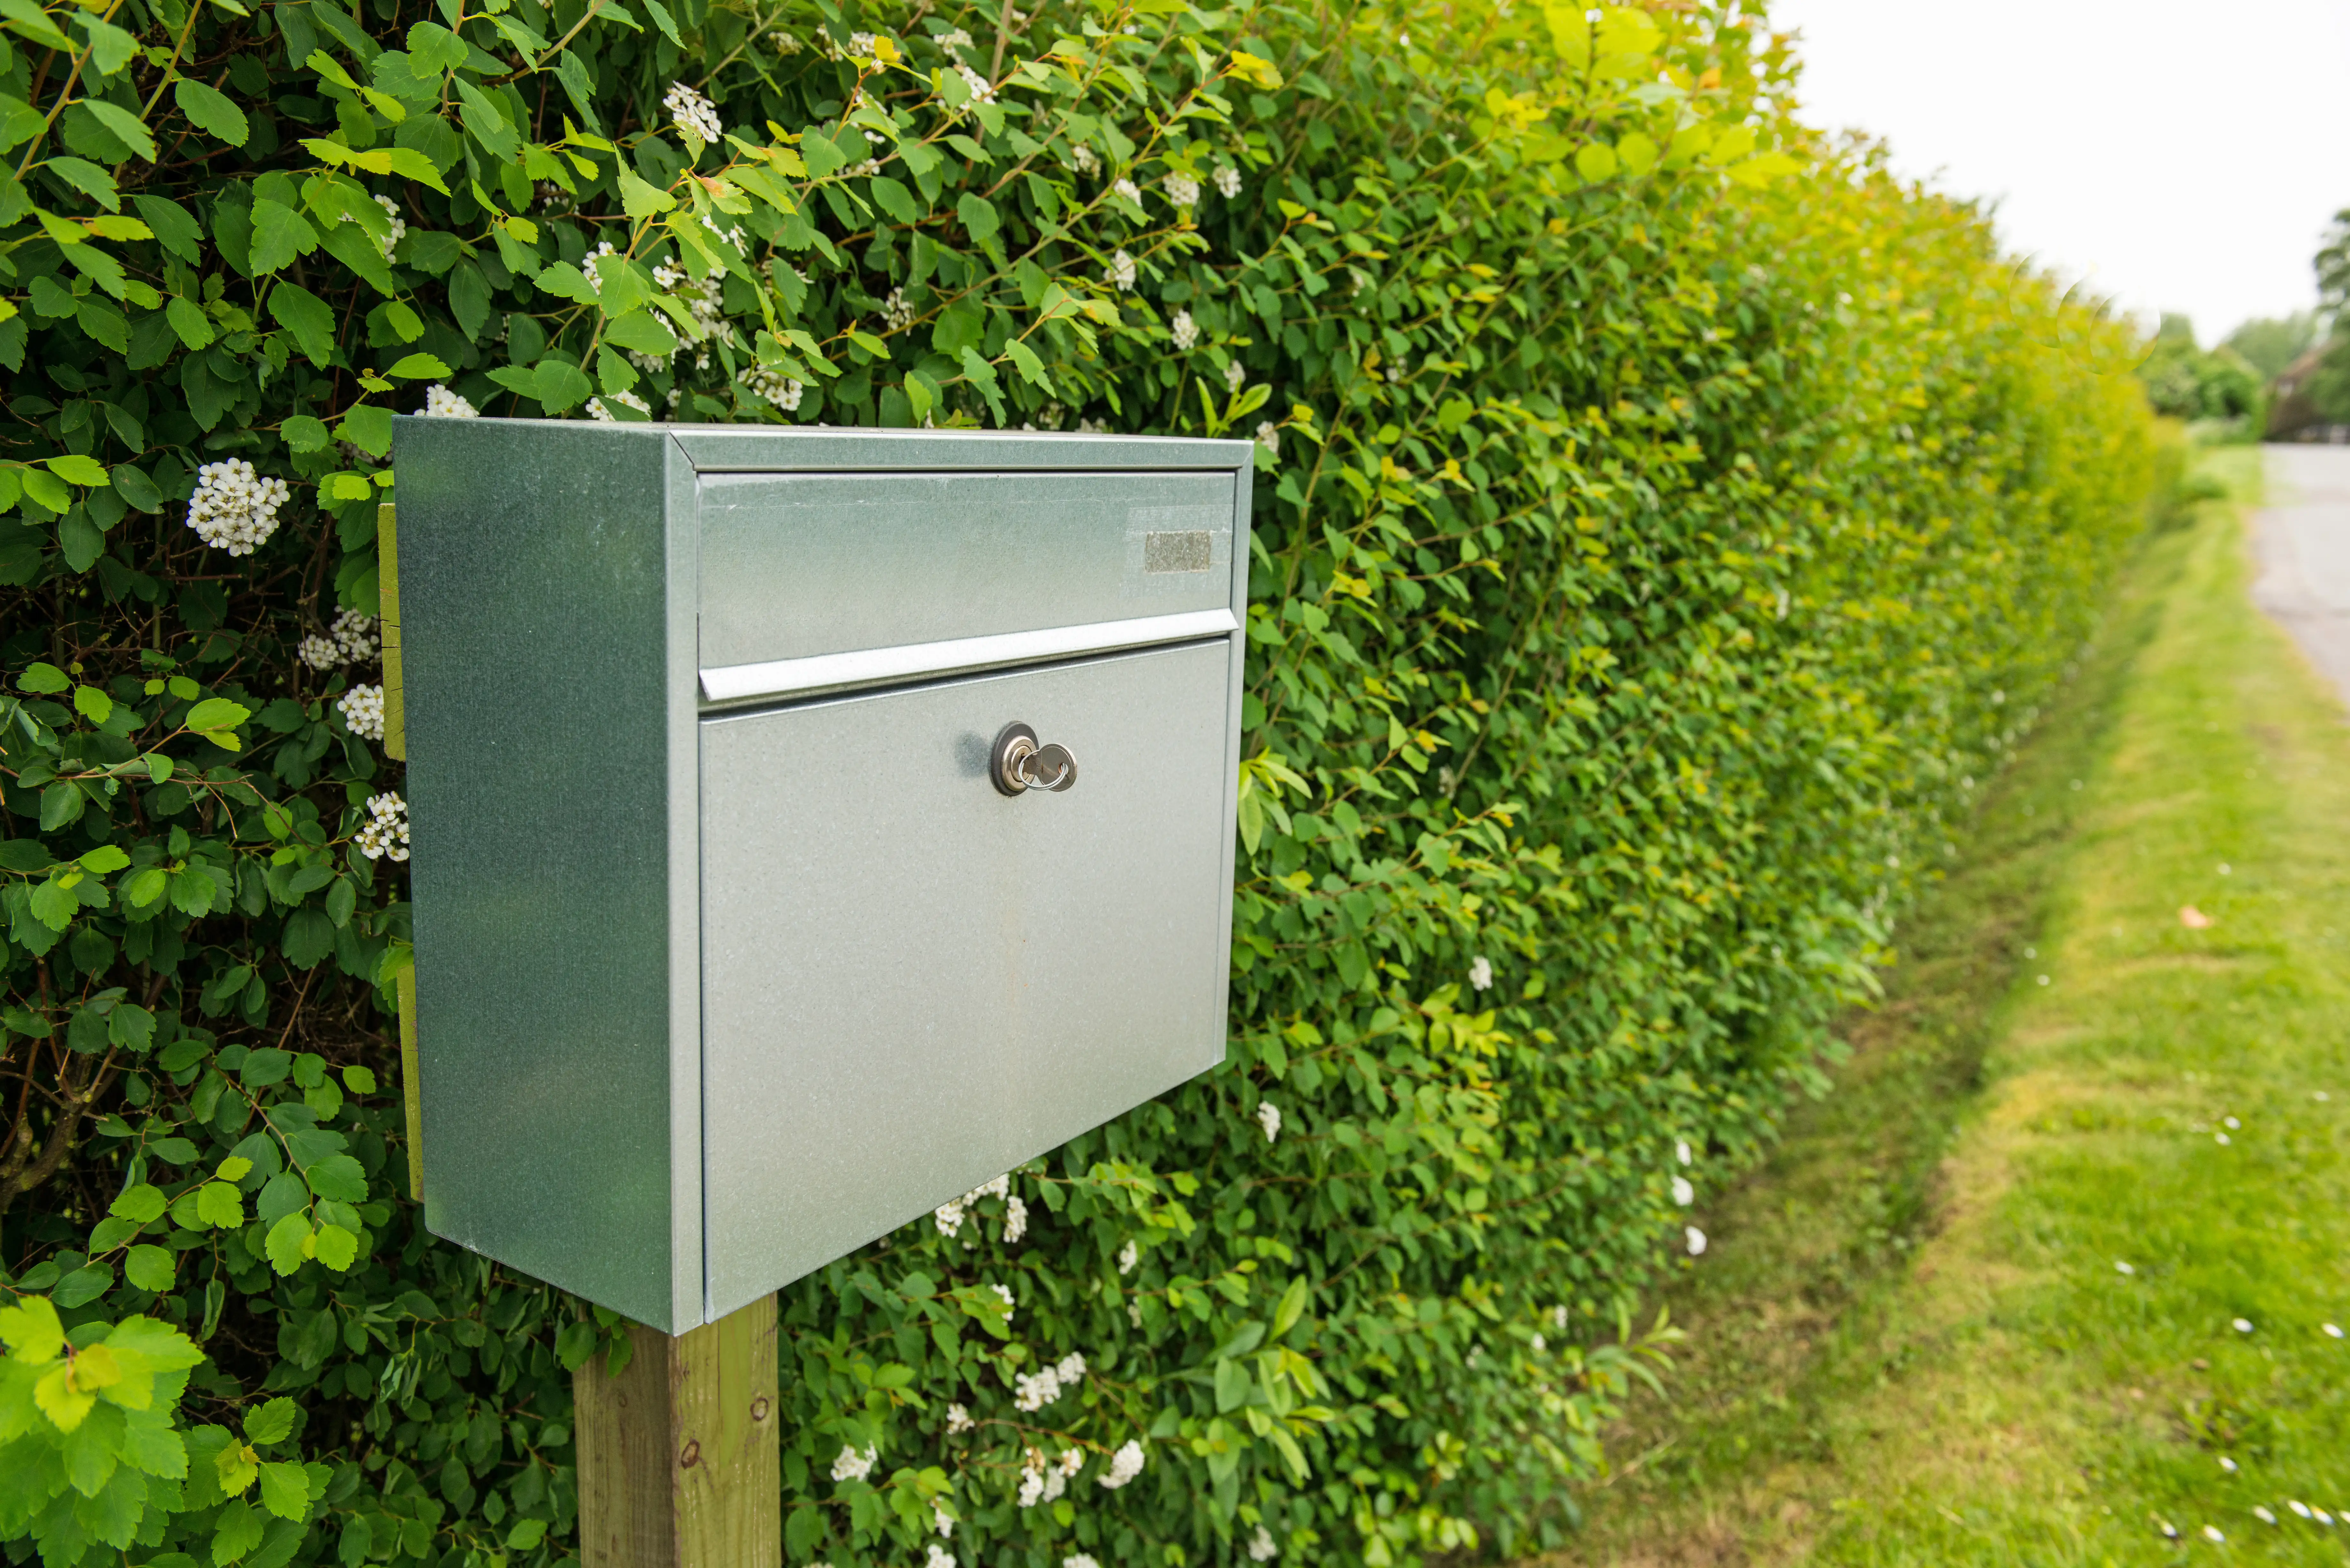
1017, 764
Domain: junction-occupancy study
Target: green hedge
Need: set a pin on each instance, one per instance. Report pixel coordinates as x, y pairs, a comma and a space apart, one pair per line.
1665, 522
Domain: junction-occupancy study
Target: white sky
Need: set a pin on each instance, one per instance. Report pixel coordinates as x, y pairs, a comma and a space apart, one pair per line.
2175, 154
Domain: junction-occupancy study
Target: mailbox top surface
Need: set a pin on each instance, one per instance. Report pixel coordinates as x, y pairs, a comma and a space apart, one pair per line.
752, 448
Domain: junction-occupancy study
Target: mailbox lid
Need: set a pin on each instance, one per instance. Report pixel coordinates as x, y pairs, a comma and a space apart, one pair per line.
912, 983
798, 565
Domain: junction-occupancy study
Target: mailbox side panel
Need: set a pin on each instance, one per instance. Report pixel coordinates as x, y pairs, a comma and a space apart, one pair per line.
542, 605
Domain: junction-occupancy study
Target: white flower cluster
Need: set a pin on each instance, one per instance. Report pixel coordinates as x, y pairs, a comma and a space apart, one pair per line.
1696, 1239
597, 410
1084, 159
1682, 1151
385, 832
399, 228
777, 389
897, 310
1480, 972
861, 44
852, 1465
1182, 190
351, 638
948, 1217
1683, 1193
938, 1556
981, 92
1268, 1116
1228, 181
1048, 1384
363, 711
1184, 331
1234, 374
1079, 1560
1268, 436
1128, 1256
953, 42
958, 1421
1124, 1465
441, 403
587, 264
703, 300
1093, 426
1261, 1547
235, 509
785, 43
1127, 189
1041, 1482
941, 1519
696, 117
1121, 271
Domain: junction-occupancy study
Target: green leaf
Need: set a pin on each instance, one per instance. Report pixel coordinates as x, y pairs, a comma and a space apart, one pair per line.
150, 1268
420, 367
270, 1423
642, 331
336, 1248
280, 237
105, 857
211, 112
91, 181
664, 21
189, 322
125, 125
288, 1242
220, 1205
216, 713
76, 469
238, 1531
309, 317
560, 386
285, 1490
434, 48
131, 483
304, 434
978, 215
31, 1331
43, 679
110, 50
639, 199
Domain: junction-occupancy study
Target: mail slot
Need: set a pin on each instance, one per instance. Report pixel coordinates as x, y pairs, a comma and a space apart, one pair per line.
807, 825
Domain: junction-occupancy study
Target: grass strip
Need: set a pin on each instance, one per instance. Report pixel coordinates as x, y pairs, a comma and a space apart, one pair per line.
2051, 1272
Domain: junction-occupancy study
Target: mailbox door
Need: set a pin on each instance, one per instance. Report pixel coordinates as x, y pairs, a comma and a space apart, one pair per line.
912, 982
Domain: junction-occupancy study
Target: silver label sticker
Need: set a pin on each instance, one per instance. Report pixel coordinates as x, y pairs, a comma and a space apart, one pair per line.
1187, 552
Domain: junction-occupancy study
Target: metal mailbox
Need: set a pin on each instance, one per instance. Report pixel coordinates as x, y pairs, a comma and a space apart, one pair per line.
809, 825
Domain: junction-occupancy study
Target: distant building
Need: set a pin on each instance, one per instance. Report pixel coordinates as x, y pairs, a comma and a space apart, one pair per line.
2292, 415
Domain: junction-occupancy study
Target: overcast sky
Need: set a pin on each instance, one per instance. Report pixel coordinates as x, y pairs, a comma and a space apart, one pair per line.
2178, 154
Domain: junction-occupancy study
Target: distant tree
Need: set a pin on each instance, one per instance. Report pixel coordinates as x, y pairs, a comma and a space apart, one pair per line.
2270, 343
2192, 383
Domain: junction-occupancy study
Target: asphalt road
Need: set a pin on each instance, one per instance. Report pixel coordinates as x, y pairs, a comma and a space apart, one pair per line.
2302, 542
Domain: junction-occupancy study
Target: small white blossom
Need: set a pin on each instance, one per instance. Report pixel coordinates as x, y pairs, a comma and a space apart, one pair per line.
1015, 1221
2333, 1331
852, 1465
696, 116
2299, 1508
385, 831
1480, 972
781, 391
1134, 1313
953, 41
948, 1217
363, 711
1121, 271
1033, 1392
1228, 181
1696, 1241
1005, 1291
939, 1557
861, 44
2227, 1464
234, 508
598, 412
1181, 190
785, 43
959, 1419
1558, 1318
352, 638
2322, 1517
2263, 1515
1683, 1193
941, 1519
1070, 1369
1131, 1255
441, 403
1682, 1151
1268, 436
1083, 160
1268, 1116
1040, 1483
1079, 1560
1124, 1465
2211, 1534
1127, 190
897, 310
2122, 1268
1261, 1547
1234, 374
2243, 1325
1184, 331
1093, 426
981, 91
391, 242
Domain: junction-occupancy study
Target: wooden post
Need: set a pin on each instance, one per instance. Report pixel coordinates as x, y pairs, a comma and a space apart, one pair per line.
678, 1466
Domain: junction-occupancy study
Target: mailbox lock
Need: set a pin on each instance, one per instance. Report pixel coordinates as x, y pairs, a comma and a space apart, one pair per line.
1017, 764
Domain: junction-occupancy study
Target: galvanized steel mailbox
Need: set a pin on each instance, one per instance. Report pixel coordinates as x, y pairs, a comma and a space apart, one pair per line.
809, 825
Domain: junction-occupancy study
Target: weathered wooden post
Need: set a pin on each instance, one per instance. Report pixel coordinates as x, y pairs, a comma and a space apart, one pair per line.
678, 1457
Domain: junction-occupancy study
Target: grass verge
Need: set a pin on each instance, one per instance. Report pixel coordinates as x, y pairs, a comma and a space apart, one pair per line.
2052, 1270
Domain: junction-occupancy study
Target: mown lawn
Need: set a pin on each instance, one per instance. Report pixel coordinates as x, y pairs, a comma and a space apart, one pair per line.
2052, 1272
